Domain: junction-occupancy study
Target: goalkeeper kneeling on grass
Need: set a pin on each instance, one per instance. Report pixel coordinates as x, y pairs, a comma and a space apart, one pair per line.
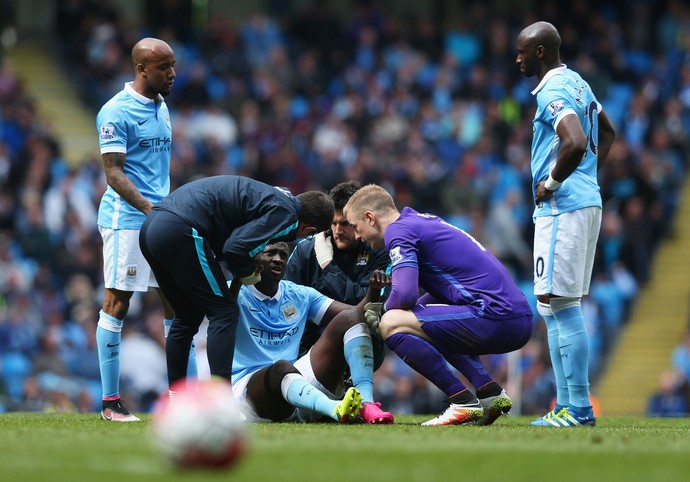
471, 305
268, 378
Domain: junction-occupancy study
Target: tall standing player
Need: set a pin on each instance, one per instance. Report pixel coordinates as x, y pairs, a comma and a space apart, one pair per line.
572, 138
135, 139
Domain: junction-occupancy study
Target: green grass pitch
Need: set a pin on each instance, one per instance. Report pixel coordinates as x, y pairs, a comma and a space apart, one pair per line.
81, 447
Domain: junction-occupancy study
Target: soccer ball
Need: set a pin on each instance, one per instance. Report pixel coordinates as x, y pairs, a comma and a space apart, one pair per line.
202, 427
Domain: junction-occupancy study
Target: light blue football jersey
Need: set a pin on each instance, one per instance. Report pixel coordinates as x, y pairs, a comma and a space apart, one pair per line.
562, 92
140, 128
270, 329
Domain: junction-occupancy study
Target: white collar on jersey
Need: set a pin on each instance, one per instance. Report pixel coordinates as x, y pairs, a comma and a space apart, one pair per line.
549, 74
129, 87
262, 297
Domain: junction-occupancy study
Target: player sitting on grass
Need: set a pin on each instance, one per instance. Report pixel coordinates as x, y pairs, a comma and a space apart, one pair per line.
268, 379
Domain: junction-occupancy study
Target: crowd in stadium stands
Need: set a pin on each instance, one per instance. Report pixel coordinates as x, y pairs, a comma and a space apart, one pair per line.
434, 110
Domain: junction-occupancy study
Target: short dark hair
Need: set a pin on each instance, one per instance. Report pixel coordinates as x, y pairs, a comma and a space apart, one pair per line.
278, 244
317, 210
341, 193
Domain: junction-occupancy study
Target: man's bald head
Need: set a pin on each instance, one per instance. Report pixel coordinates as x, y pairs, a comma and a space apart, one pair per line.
147, 49
538, 47
542, 33
154, 67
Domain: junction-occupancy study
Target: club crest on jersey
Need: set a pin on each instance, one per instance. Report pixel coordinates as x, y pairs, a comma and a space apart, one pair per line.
362, 258
289, 311
107, 132
131, 272
395, 255
555, 107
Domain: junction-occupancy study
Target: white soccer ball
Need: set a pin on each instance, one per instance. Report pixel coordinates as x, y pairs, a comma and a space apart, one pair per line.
202, 426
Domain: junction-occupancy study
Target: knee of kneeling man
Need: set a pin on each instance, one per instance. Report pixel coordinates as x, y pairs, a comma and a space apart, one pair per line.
389, 324
400, 321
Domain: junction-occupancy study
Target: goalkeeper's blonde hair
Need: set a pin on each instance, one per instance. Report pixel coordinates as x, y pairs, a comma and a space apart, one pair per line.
369, 198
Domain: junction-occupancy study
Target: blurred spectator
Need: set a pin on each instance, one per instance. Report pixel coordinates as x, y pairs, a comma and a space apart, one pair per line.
316, 28
406, 391
169, 14
671, 397
19, 328
260, 36
143, 346
680, 358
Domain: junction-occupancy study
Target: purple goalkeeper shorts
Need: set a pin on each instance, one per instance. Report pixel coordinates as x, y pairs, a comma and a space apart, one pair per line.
457, 329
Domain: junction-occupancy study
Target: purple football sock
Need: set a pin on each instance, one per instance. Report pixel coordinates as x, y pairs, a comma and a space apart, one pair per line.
471, 367
424, 358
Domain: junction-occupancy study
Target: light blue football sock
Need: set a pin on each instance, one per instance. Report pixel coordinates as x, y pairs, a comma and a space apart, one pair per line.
166, 326
359, 355
108, 338
298, 392
574, 344
562, 395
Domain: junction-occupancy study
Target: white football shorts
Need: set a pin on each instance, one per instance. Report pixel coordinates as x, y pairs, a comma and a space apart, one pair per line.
239, 392
564, 248
124, 267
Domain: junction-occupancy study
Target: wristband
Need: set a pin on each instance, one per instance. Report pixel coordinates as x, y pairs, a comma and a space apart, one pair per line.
551, 184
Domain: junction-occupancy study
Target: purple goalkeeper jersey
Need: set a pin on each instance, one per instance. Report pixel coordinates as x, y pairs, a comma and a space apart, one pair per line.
454, 268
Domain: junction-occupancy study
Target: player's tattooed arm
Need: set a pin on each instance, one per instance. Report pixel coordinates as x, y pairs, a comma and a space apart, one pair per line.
113, 163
